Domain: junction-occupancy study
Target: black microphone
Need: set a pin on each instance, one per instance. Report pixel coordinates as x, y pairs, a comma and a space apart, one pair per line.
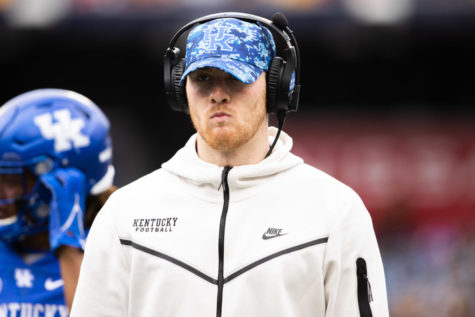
280, 20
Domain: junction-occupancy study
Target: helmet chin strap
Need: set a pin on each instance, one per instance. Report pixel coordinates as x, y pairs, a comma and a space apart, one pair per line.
281, 119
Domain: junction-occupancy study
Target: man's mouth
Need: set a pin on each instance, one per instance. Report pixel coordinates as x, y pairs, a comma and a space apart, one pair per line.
220, 114
5, 221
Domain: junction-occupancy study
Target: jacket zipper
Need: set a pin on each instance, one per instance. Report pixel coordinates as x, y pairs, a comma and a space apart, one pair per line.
222, 225
364, 289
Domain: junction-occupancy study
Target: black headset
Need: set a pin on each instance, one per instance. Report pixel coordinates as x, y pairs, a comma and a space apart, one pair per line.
280, 99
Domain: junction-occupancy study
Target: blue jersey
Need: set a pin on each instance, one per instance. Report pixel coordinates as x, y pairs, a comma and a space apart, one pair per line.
30, 286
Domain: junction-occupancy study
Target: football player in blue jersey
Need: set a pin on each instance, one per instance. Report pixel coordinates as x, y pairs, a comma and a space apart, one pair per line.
56, 172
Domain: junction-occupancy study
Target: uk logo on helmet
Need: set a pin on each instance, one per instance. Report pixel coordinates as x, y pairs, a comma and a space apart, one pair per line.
66, 132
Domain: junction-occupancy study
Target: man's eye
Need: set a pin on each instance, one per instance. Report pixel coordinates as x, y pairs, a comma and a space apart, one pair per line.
234, 81
203, 77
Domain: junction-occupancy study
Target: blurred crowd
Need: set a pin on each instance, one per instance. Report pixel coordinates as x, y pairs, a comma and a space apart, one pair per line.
430, 272
120, 7
40, 13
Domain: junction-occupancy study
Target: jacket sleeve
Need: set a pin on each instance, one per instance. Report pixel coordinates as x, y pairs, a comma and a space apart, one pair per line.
353, 270
103, 280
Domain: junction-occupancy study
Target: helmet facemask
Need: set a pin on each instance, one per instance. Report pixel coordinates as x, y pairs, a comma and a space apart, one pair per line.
25, 202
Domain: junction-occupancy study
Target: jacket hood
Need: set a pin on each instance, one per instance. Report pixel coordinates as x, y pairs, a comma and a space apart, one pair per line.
187, 165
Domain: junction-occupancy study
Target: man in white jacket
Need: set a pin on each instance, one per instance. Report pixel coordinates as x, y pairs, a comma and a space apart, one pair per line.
234, 224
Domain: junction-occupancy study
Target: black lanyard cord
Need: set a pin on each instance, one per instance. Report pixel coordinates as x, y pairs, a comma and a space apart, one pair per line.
281, 119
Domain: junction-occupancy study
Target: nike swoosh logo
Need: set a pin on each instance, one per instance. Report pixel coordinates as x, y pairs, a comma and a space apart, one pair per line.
51, 285
266, 237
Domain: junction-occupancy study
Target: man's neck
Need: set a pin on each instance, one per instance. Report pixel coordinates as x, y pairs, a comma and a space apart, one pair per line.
252, 152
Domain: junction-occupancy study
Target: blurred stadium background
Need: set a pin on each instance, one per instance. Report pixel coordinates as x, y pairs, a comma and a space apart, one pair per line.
387, 107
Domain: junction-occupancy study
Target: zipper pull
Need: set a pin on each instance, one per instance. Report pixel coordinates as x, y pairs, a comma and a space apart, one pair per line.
224, 175
370, 293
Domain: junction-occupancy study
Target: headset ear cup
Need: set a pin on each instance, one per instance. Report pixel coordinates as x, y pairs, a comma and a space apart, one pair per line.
180, 91
273, 77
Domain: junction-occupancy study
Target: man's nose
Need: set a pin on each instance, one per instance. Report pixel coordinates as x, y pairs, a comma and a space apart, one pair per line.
220, 93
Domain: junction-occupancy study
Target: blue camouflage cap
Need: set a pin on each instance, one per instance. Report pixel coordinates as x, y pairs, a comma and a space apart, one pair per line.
239, 48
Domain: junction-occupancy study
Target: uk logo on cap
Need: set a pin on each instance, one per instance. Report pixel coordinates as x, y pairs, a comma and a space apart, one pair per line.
219, 39
240, 48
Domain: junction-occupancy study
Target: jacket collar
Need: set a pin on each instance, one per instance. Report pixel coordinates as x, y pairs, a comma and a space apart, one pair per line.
187, 165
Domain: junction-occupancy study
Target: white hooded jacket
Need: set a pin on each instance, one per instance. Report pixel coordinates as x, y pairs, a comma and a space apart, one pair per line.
278, 238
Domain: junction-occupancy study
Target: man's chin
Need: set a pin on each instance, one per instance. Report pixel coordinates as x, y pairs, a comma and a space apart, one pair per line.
224, 139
